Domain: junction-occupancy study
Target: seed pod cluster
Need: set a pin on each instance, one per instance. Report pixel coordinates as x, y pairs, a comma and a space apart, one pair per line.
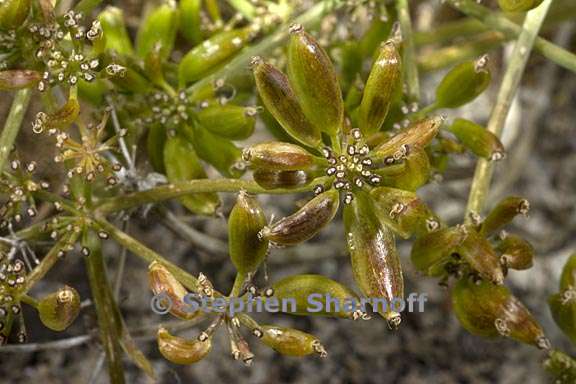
59, 309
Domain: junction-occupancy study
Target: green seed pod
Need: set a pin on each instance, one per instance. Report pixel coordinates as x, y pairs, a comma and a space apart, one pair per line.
404, 212
489, 310
418, 134
478, 139
191, 20
282, 103
278, 156
315, 83
208, 56
380, 87
127, 78
182, 351
163, 282
516, 253
230, 121
375, 261
300, 287
561, 367
413, 173
247, 248
563, 308
158, 29
58, 310
13, 13
503, 213
281, 179
568, 277
478, 252
291, 342
182, 164
306, 222
432, 253
463, 83
115, 32
518, 5
93, 91
17, 79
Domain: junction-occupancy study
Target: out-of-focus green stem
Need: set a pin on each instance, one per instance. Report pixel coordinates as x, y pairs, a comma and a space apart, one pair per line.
244, 7
409, 59
13, 123
508, 89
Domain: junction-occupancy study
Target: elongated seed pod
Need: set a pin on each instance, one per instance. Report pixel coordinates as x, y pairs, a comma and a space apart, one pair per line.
191, 20
431, 253
230, 121
115, 32
314, 80
419, 134
563, 308
414, 173
489, 310
59, 309
182, 351
278, 156
182, 164
163, 282
158, 30
380, 87
282, 103
375, 261
300, 288
291, 342
404, 212
281, 179
13, 13
478, 252
477, 139
247, 248
306, 222
518, 5
568, 277
516, 252
503, 213
463, 84
18, 79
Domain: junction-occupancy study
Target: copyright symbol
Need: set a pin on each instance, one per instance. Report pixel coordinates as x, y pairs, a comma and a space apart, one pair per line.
161, 303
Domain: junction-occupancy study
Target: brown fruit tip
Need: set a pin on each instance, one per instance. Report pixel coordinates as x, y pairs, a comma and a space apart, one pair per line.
393, 319
256, 61
481, 63
295, 28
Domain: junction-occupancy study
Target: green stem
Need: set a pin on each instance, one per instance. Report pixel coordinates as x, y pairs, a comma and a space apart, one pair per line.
244, 7
238, 282
29, 300
409, 59
172, 191
500, 23
508, 89
13, 123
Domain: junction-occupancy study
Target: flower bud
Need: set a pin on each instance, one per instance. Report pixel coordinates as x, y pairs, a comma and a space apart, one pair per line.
220, 153
315, 83
306, 222
563, 308
17, 79
191, 20
291, 342
58, 310
431, 253
300, 288
115, 32
182, 351
516, 253
182, 164
281, 179
477, 139
281, 101
13, 13
158, 29
278, 156
404, 212
518, 5
163, 282
230, 121
375, 261
247, 248
463, 84
489, 310
380, 88
212, 53
413, 173
418, 134
503, 213
478, 252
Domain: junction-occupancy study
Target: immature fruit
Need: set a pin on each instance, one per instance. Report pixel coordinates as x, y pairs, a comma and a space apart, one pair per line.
163, 282
115, 32
568, 277
58, 310
291, 342
247, 248
281, 179
518, 5
314, 80
489, 310
182, 351
301, 287
516, 253
155, 143
503, 213
61, 118
478, 252
281, 101
432, 253
230, 121
182, 164
418, 134
414, 173
17, 79
278, 156
379, 90
563, 308
477, 139
375, 261
13, 13
158, 30
463, 83
190, 20
306, 222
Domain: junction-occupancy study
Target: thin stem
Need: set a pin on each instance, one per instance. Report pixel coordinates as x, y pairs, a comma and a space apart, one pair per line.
13, 123
238, 283
508, 89
29, 300
409, 59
